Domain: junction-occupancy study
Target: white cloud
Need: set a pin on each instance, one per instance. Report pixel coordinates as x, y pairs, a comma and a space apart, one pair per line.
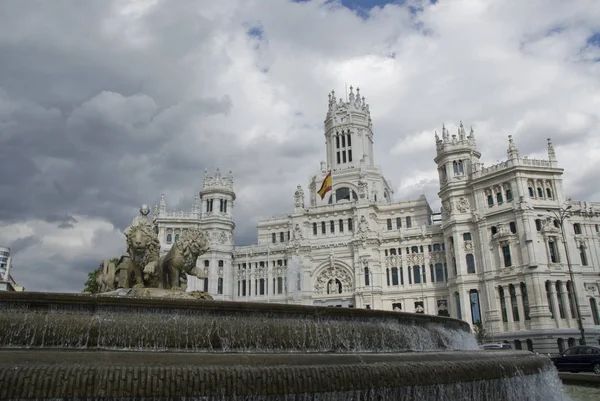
512, 67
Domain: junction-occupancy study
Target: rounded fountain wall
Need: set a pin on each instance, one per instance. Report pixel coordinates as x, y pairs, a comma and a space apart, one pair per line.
76, 346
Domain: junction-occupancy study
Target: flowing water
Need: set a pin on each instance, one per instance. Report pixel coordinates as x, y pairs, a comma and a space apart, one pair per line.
294, 270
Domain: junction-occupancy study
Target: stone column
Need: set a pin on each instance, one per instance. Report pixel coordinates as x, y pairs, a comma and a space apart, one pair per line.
520, 306
562, 293
554, 301
500, 323
539, 310
509, 314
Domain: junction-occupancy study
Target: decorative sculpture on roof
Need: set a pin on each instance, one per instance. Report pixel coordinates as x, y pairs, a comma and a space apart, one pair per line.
299, 197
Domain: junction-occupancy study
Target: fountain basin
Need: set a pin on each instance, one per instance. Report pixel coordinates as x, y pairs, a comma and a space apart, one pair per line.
46, 320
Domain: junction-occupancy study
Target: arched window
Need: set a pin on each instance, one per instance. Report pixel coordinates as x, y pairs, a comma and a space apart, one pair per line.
571, 299
490, 200
594, 308
548, 193
560, 342
531, 192
176, 237
460, 167
529, 345
323, 228
455, 167
387, 273
509, 195
457, 301
344, 193
394, 276
314, 228
341, 225
334, 286
169, 238
350, 228
525, 301
499, 197
502, 304
513, 302
540, 192
417, 274
332, 226
470, 263
475, 310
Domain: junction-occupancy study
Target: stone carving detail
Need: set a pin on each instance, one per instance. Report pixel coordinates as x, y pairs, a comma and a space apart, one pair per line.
437, 257
362, 188
299, 197
469, 246
330, 279
363, 228
415, 259
447, 207
462, 205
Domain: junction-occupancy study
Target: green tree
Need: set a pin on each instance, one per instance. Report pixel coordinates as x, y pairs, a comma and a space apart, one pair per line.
480, 333
91, 285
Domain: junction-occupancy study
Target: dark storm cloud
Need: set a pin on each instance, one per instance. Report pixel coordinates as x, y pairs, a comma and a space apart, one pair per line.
21, 244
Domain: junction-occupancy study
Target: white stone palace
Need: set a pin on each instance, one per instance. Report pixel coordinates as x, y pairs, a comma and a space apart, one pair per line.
494, 255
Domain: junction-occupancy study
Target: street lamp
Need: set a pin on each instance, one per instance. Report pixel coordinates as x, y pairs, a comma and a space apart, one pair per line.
561, 216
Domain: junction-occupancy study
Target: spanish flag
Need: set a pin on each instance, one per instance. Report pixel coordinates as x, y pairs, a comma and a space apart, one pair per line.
326, 186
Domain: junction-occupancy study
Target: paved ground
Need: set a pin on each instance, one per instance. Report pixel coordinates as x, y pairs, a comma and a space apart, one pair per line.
580, 379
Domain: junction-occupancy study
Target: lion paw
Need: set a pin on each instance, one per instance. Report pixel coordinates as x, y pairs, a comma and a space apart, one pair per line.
150, 268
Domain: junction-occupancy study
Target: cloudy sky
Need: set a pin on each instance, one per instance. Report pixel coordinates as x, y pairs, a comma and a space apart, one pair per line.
104, 105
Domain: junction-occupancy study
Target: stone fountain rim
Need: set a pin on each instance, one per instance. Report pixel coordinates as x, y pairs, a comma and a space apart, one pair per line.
42, 299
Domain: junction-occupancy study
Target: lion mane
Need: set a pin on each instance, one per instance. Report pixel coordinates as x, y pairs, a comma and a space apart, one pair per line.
182, 257
150, 247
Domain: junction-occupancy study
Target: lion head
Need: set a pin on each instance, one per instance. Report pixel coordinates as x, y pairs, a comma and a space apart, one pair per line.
142, 245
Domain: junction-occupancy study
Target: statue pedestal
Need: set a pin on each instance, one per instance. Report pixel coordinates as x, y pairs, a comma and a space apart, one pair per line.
155, 293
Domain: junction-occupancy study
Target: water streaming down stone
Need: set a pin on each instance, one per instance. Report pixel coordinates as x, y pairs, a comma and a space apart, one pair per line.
294, 270
83, 347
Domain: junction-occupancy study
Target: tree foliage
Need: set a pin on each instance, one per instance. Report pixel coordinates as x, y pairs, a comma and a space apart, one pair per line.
480, 333
91, 285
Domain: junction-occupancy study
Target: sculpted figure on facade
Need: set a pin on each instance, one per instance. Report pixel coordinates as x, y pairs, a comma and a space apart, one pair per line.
142, 220
299, 197
462, 205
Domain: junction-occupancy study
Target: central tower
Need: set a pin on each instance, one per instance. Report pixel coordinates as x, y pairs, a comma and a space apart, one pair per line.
348, 132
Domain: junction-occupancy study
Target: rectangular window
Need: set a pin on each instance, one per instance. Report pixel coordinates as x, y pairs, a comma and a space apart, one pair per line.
341, 225
344, 156
274, 237
398, 222
439, 272
583, 256
408, 222
332, 226
367, 278
350, 224
389, 224
262, 286
513, 227
243, 288
338, 157
221, 205
337, 142
417, 274
349, 140
205, 285
553, 251
349, 155
538, 225
323, 228
506, 255
577, 228
431, 273
314, 228
281, 237
225, 207
343, 141
394, 276
414, 249
467, 236
220, 286
392, 251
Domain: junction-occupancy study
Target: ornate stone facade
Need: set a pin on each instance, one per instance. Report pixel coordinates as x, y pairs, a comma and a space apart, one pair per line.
492, 255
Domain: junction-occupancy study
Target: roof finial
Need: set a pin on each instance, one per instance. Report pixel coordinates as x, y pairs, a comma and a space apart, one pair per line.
513, 152
551, 153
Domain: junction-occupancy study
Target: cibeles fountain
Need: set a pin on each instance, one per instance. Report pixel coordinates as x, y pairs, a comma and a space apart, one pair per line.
145, 338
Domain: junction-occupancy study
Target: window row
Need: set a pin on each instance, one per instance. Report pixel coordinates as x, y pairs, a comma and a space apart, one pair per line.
282, 237
415, 274
344, 156
343, 139
222, 205
262, 264
498, 194
219, 284
540, 189
514, 293
333, 226
260, 287
390, 226
415, 249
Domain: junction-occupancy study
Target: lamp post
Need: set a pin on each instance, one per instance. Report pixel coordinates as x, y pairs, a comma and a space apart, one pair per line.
561, 216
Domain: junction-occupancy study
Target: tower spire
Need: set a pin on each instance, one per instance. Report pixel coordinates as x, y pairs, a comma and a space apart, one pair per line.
512, 152
551, 153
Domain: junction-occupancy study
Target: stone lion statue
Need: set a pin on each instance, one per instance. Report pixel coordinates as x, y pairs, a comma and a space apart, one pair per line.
141, 262
181, 259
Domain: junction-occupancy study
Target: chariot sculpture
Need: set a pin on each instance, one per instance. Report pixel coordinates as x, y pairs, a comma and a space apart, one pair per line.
142, 266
